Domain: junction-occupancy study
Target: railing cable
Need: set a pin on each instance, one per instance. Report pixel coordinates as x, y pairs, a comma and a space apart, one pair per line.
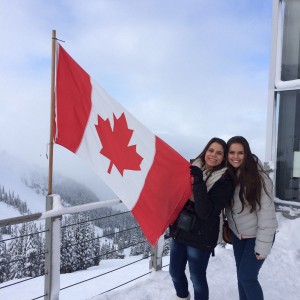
126, 282
102, 274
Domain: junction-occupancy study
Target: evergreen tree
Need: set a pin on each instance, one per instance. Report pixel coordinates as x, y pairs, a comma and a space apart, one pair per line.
32, 248
84, 249
104, 250
12, 200
15, 249
4, 258
80, 248
96, 259
68, 241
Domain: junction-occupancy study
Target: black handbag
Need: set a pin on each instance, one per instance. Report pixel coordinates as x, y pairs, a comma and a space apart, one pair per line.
186, 220
187, 217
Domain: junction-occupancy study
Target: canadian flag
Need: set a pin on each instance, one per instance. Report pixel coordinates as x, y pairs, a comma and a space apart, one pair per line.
149, 176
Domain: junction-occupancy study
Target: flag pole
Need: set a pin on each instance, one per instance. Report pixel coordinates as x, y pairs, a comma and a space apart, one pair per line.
50, 173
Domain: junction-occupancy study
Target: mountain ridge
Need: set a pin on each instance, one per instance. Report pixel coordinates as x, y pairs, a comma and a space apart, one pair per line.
30, 183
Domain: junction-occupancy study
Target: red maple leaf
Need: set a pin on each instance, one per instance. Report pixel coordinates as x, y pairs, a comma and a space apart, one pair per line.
115, 144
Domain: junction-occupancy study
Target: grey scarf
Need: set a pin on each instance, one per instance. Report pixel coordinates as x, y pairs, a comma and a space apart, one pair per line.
210, 180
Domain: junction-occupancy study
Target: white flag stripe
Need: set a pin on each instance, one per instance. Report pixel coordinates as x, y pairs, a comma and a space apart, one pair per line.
128, 187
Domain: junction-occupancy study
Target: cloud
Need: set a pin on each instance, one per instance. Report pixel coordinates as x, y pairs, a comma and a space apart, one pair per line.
187, 70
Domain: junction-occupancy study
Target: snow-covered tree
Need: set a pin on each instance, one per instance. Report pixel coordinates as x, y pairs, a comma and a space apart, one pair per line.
80, 247
4, 259
32, 252
68, 242
15, 250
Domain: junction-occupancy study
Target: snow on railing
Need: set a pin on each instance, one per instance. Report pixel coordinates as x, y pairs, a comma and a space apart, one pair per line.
58, 210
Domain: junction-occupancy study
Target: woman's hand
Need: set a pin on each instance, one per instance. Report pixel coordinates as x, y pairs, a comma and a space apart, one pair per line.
259, 257
197, 174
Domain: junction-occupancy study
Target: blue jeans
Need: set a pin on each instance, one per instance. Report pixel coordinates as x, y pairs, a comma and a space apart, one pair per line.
180, 254
247, 269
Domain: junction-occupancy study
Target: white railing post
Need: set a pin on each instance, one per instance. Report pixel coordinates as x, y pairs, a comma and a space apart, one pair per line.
52, 256
156, 257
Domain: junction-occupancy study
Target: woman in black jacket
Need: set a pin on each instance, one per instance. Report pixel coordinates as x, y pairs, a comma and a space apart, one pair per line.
196, 230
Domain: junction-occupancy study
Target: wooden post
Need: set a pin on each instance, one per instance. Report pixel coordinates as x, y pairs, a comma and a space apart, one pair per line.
52, 106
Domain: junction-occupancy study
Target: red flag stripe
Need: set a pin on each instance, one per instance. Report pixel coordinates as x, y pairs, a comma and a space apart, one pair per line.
76, 94
167, 188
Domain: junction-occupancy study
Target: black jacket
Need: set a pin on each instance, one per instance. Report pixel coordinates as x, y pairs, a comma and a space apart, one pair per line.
207, 209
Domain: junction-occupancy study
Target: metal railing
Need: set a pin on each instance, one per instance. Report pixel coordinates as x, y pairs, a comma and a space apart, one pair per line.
52, 216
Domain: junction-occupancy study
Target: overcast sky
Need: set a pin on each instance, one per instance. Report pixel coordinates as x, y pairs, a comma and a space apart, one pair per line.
188, 70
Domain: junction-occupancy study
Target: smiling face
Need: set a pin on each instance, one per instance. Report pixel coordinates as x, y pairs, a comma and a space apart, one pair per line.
236, 155
214, 155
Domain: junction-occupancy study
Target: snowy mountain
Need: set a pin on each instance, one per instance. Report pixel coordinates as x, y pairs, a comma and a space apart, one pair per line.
23, 191
30, 183
12, 177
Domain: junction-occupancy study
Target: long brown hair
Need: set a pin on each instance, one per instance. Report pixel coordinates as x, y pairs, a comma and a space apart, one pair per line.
249, 176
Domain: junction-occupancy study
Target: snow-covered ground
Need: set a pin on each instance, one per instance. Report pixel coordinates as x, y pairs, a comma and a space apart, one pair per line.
279, 276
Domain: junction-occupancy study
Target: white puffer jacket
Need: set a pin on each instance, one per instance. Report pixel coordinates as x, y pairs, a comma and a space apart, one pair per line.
261, 223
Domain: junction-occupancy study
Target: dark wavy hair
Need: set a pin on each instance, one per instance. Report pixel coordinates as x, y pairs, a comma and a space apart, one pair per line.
202, 154
249, 176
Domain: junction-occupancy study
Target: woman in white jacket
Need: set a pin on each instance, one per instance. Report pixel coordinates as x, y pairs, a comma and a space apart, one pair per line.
251, 216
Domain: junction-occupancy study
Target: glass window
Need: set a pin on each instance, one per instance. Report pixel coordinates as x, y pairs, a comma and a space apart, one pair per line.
288, 146
288, 108
291, 40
